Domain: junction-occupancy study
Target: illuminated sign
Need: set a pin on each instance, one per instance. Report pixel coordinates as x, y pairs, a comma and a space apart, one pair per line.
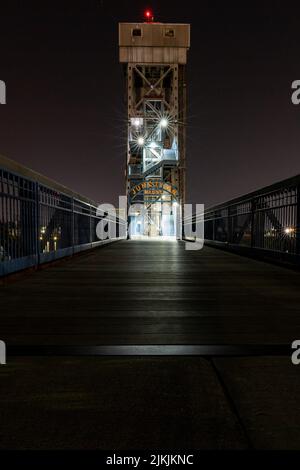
153, 188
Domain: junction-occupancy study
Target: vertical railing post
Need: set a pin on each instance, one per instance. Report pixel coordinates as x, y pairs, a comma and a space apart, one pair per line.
253, 207
91, 240
73, 226
37, 223
232, 211
228, 225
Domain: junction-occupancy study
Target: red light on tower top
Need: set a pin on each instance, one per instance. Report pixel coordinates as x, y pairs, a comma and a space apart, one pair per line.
149, 17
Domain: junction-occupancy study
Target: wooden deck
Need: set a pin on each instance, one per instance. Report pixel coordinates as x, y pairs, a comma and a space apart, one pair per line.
153, 293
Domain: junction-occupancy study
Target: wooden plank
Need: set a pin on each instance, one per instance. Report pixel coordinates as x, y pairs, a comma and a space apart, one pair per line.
153, 293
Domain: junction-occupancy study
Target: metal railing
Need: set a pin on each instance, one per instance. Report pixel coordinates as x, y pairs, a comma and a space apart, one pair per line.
265, 222
41, 221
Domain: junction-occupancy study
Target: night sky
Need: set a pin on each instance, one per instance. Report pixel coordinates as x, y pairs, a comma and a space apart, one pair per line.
65, 115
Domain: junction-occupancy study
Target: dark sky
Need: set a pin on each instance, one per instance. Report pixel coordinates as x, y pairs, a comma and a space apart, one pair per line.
65, 113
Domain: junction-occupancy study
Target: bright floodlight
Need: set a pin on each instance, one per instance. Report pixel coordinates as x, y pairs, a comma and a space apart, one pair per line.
141, 141
137, 122
164, 123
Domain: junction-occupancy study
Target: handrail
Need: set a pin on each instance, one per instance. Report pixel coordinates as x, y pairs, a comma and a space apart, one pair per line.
264, 222
42, 220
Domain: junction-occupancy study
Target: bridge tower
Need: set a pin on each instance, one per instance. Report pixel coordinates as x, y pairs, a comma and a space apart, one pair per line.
154, 56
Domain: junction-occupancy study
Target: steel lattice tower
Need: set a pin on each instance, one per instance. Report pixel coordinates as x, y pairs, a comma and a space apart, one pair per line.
154, 57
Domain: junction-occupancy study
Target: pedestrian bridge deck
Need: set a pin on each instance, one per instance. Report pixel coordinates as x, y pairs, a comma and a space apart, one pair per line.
144, 292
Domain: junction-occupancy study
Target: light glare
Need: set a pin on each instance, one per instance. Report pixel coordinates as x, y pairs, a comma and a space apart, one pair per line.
288, 230
137, 122
164, 123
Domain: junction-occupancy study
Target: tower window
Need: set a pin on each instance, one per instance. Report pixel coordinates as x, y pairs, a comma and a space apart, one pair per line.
137, 32
169, 33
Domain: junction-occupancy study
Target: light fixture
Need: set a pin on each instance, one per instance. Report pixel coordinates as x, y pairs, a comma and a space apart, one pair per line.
288, 230
141, 141
149, 17
137, 122
164, 123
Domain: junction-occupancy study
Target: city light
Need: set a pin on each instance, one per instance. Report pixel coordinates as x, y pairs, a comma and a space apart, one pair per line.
289, 230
